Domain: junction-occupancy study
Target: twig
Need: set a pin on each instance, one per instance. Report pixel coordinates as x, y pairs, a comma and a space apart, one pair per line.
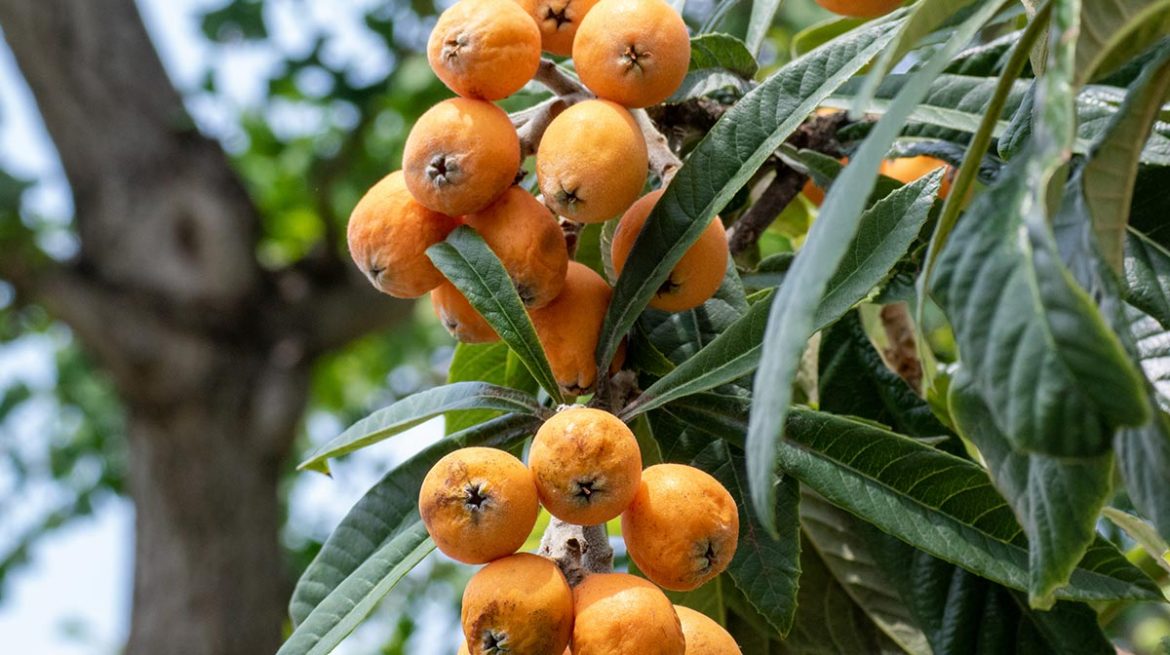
902, 353
531, 130
559, 82
663, 162
577, 549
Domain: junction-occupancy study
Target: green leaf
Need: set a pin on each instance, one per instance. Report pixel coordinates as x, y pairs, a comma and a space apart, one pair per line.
1146, 279
791, 320
887, 230
765, 569
1053, 374
724, 160
815, 36
722, 51
854, 381
474, 269
763, 11
1114, 31
380, 539
679, 335
485, 362
1143, 533
963, 614
419, 407
845, 551
1057, 501
925, 17
1111, 171
939, 503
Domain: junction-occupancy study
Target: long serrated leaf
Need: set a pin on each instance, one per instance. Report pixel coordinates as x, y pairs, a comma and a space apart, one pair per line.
926, 17
1111, 171
478, 274
1146, 278
887, 230
723, 162
1057, 501
1108, 26
845, 551
494, 363
791, 318
765, 569
1143, 533
376, 543
419, 407
939, 503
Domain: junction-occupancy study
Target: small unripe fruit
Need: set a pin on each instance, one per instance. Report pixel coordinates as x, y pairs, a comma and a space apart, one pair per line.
620, 614
529, 242
634, 52
861, 8
569, 328
682, 527
389, 233
558, 21
519, 604
478, 504
592, 162
459, 317
460, 156
486, 49
695, 278
705, 636
586, 464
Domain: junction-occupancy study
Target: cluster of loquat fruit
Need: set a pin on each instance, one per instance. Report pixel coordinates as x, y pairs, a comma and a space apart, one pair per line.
462, 157
680, 526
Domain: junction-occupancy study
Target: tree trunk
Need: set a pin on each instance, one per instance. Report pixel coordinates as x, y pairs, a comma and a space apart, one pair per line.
208, 572
210, 352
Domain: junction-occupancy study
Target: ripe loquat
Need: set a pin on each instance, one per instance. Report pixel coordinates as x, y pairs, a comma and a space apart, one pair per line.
908, 169
860, 8
460, 156
681, 528
478, 504
695, 278
621, 614
558, 21
389, 233
591, 162
459, 317
633, 52
526, 237
586, 465
485, 49
519, 604
569, 328
704, 636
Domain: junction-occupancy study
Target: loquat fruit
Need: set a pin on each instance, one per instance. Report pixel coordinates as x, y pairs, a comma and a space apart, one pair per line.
860, 8
909, 169
695, 278
633, 52
704, 635
681, 528
586, 464
592, 161
621, 614
478, 504
527, 238
459, 317
569, 328
519, 604
460, 155
389, 233
485, 49
558, 21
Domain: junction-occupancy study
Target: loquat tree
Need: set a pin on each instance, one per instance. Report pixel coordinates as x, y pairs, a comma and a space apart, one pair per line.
888, 414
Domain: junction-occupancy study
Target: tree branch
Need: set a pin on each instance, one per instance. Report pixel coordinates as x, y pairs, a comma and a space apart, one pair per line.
577, 549
560, 82
663, 162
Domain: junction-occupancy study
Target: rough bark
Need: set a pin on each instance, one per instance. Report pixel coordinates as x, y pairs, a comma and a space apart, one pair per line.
210, 352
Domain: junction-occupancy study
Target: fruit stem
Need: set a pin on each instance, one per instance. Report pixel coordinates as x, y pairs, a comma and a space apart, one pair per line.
560, 82
577, 549
663, 162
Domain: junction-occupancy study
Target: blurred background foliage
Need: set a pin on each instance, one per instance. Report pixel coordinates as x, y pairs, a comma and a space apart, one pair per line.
324, 126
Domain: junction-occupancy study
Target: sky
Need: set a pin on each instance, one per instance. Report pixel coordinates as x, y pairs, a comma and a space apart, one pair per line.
73, 598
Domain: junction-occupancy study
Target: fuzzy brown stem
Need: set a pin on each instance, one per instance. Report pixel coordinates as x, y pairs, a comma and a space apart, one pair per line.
663, 162
902, 353
577, 549
776, 196
531, 123
558, 81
